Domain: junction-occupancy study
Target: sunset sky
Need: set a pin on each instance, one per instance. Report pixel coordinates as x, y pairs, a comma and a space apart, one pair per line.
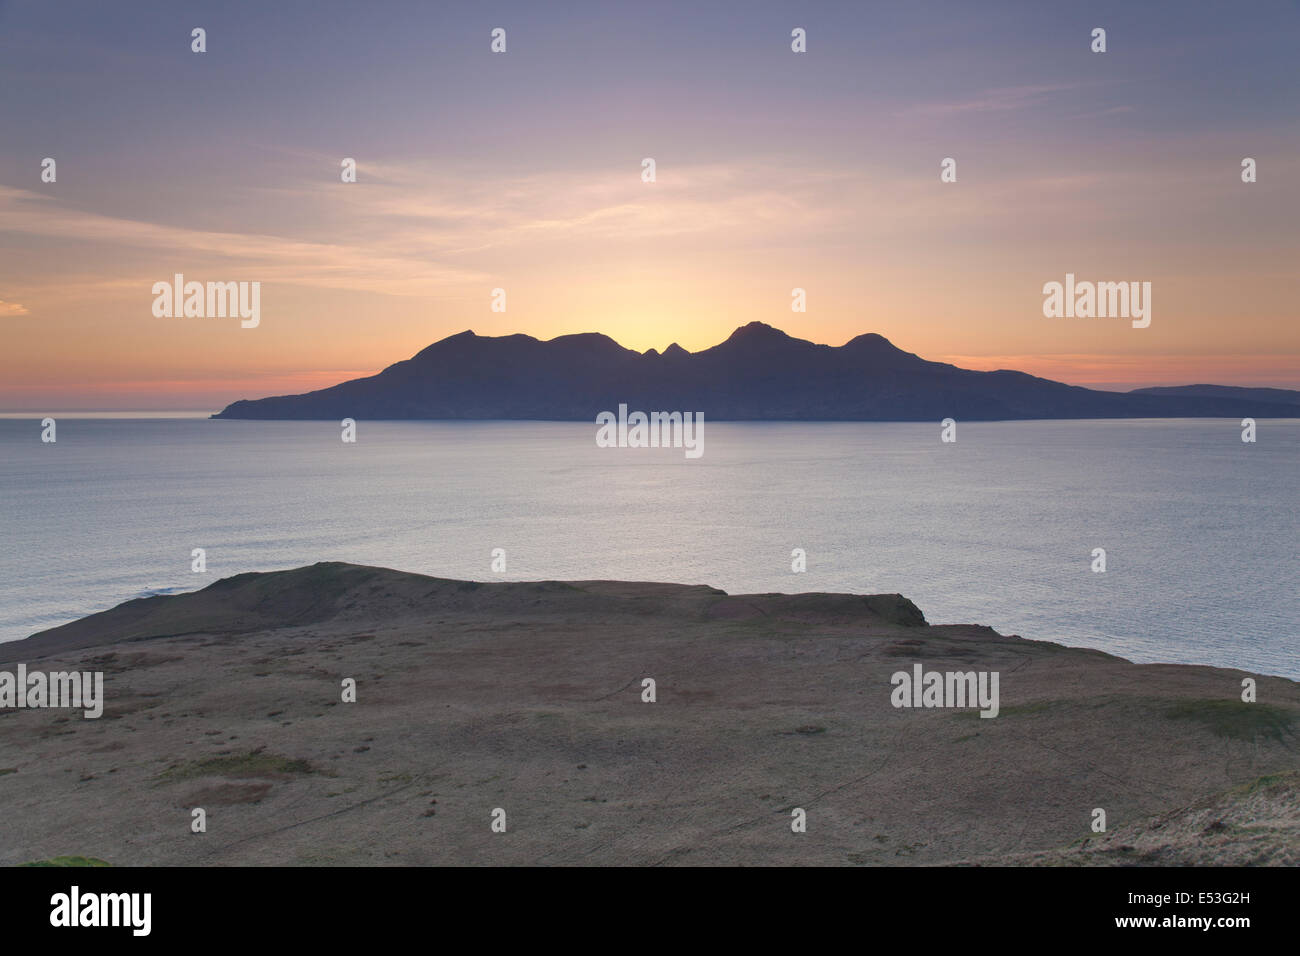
522, 170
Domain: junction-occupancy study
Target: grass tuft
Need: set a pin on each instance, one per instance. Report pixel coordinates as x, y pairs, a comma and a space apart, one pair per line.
68, 861
1235, 719
252, 764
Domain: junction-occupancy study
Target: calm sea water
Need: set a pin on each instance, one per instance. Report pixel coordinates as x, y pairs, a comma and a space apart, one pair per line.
1200, 529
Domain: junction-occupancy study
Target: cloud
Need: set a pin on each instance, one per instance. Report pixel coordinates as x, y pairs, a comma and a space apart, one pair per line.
421, 231
460, 212
11, 308
1000, 99
263, 257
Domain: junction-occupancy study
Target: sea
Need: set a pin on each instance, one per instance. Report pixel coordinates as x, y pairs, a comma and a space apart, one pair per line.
1000, 527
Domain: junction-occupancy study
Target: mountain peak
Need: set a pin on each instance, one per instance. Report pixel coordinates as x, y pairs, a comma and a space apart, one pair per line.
757, 332
873, 341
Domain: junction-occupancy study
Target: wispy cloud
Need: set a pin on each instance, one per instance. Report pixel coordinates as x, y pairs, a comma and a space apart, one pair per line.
464, 211
267, 258
999, 99
12, 308
413, 230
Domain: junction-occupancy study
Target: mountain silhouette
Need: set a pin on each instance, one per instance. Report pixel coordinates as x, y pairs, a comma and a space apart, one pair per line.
758, 373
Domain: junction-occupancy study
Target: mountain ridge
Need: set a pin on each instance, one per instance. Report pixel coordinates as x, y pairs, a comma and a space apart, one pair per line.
759, 373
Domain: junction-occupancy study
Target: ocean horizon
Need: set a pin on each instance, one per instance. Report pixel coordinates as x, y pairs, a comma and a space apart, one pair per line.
997, 528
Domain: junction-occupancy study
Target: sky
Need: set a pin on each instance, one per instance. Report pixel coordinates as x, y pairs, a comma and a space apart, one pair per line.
522, 171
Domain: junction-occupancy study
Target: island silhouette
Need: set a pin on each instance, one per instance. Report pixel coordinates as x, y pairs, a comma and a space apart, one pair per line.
758, 374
